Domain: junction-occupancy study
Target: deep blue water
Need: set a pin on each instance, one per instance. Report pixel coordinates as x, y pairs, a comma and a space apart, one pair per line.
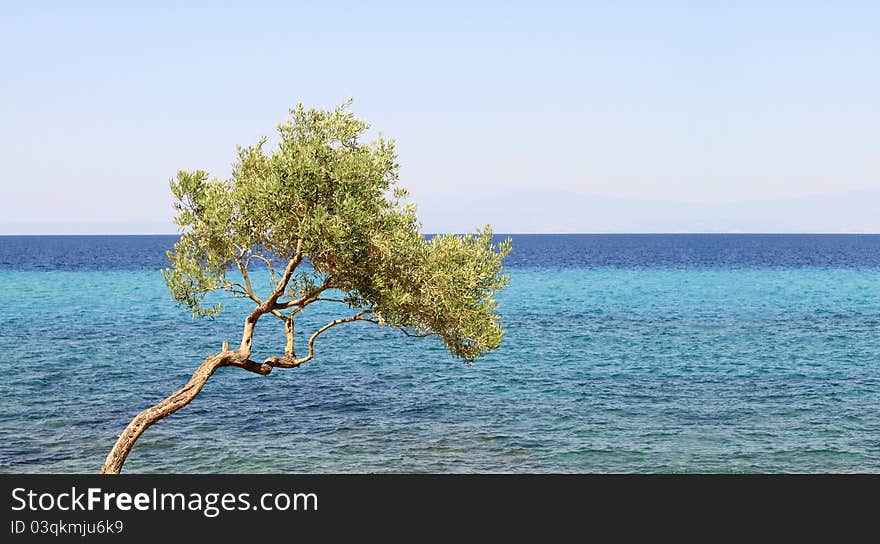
624, 353
530, 250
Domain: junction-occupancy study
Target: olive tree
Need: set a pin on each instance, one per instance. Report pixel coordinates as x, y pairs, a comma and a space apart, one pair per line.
323, 219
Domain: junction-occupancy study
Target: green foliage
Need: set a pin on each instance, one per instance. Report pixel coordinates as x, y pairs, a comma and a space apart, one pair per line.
337, 197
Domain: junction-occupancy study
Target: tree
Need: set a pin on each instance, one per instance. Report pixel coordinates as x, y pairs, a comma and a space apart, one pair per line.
322, 215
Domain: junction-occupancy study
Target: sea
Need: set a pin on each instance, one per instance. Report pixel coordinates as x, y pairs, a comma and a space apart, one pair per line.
679, 353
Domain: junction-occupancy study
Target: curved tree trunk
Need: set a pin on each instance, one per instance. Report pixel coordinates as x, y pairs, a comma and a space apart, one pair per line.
176, 401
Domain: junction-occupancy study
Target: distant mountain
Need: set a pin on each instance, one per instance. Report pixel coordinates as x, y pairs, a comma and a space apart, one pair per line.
535, 211
559, 212
85, 227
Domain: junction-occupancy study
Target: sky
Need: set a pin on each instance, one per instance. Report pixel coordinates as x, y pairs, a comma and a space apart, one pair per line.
617, 116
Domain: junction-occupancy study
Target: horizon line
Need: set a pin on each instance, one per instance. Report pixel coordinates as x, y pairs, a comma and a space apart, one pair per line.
701, 233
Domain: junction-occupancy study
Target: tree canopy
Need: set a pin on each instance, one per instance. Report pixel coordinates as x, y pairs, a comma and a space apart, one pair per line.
323, 213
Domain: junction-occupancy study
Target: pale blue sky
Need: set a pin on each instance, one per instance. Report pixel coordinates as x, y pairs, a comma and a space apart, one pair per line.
536, 117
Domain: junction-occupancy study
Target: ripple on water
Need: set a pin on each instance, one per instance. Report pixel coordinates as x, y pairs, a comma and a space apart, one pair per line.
680, 362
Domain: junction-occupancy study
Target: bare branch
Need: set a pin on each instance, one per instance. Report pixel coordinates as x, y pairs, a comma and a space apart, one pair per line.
399, 327
262, 369
269, 264
285, 278
285, 362
282, 362
269, 305
242, 267
232, 284
174, 402
288, 330
413, 334
306, 299
237, 289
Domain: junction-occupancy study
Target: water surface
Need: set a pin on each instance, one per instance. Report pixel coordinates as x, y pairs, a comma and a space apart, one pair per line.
624, 353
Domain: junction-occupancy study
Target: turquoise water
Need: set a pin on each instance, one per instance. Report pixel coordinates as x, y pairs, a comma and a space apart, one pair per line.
603, 369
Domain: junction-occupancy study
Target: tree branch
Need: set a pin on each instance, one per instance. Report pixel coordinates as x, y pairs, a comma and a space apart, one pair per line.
306, 299
269, 264
399, 327
285, 278
174, 402
269, 305
307, 358
237, 289
288, 330
243, 268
